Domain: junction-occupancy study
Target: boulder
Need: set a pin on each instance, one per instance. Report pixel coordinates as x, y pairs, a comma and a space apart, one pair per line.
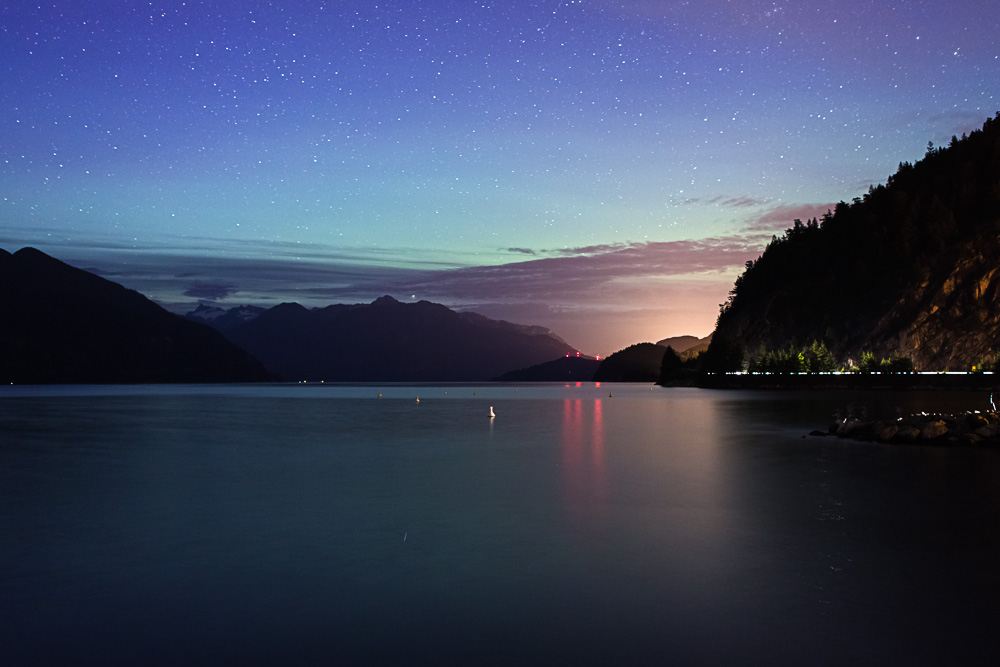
988, 431
849, 426
971, 438
885, 432
974, 421
934, 429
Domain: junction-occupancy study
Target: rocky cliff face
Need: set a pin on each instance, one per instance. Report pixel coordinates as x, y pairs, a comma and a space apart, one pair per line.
949, 321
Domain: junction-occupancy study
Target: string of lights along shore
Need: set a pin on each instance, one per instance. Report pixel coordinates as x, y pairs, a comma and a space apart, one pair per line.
603, 168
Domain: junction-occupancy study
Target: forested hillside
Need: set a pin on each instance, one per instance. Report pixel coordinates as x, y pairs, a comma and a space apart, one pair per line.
908, 270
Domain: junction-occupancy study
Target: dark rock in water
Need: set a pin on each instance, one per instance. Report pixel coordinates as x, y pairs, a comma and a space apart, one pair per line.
971, 438
855, 428
934, 429
975, 420
972, 428
886, 432
819, 434
988, 430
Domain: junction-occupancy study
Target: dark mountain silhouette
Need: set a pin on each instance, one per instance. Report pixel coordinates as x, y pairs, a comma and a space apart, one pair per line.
679, 343
389, 341
565, 369
636, 363
59, 324
912, 269
686, 347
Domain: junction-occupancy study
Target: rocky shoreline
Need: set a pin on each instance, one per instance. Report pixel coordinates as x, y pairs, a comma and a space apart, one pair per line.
969, 428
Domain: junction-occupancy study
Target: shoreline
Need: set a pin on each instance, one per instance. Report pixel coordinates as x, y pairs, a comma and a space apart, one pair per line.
892, 381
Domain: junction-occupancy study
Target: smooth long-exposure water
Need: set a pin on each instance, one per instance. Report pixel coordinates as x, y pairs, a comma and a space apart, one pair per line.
321, 524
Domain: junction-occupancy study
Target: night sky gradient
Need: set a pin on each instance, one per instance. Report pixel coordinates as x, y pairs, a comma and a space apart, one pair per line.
604, 168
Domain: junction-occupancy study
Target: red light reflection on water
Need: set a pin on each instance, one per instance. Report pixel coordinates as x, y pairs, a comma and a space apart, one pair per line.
597, 452
583, 465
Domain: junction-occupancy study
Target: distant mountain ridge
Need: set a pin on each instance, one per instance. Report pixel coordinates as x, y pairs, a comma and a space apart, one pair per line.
687, 347
61, 324
224, 319
679, 343
387, 341
565, 369
636, 363
642, 362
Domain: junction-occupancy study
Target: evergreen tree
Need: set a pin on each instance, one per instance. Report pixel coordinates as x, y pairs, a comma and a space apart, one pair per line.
670, 366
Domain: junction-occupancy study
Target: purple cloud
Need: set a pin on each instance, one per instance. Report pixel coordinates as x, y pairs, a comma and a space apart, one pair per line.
591, 274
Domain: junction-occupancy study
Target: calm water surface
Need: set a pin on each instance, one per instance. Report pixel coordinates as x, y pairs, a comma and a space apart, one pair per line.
320, 524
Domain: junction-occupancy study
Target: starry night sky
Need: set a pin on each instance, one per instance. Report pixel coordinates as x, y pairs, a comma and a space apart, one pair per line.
601, 167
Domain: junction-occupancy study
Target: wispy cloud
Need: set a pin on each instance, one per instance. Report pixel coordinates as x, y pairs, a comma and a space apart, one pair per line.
209, 290
591, 249
725, 201
728, 201
781, 217
940, 126
955, 122
98, 245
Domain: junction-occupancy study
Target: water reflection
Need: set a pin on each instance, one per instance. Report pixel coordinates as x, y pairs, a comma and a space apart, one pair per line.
679, 526
583, 465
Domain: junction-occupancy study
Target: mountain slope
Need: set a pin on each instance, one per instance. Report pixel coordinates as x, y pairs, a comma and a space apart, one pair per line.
62, 324
224, 319
565, 369
687, 347
679, 343
392, 341
636, 363
909, 269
